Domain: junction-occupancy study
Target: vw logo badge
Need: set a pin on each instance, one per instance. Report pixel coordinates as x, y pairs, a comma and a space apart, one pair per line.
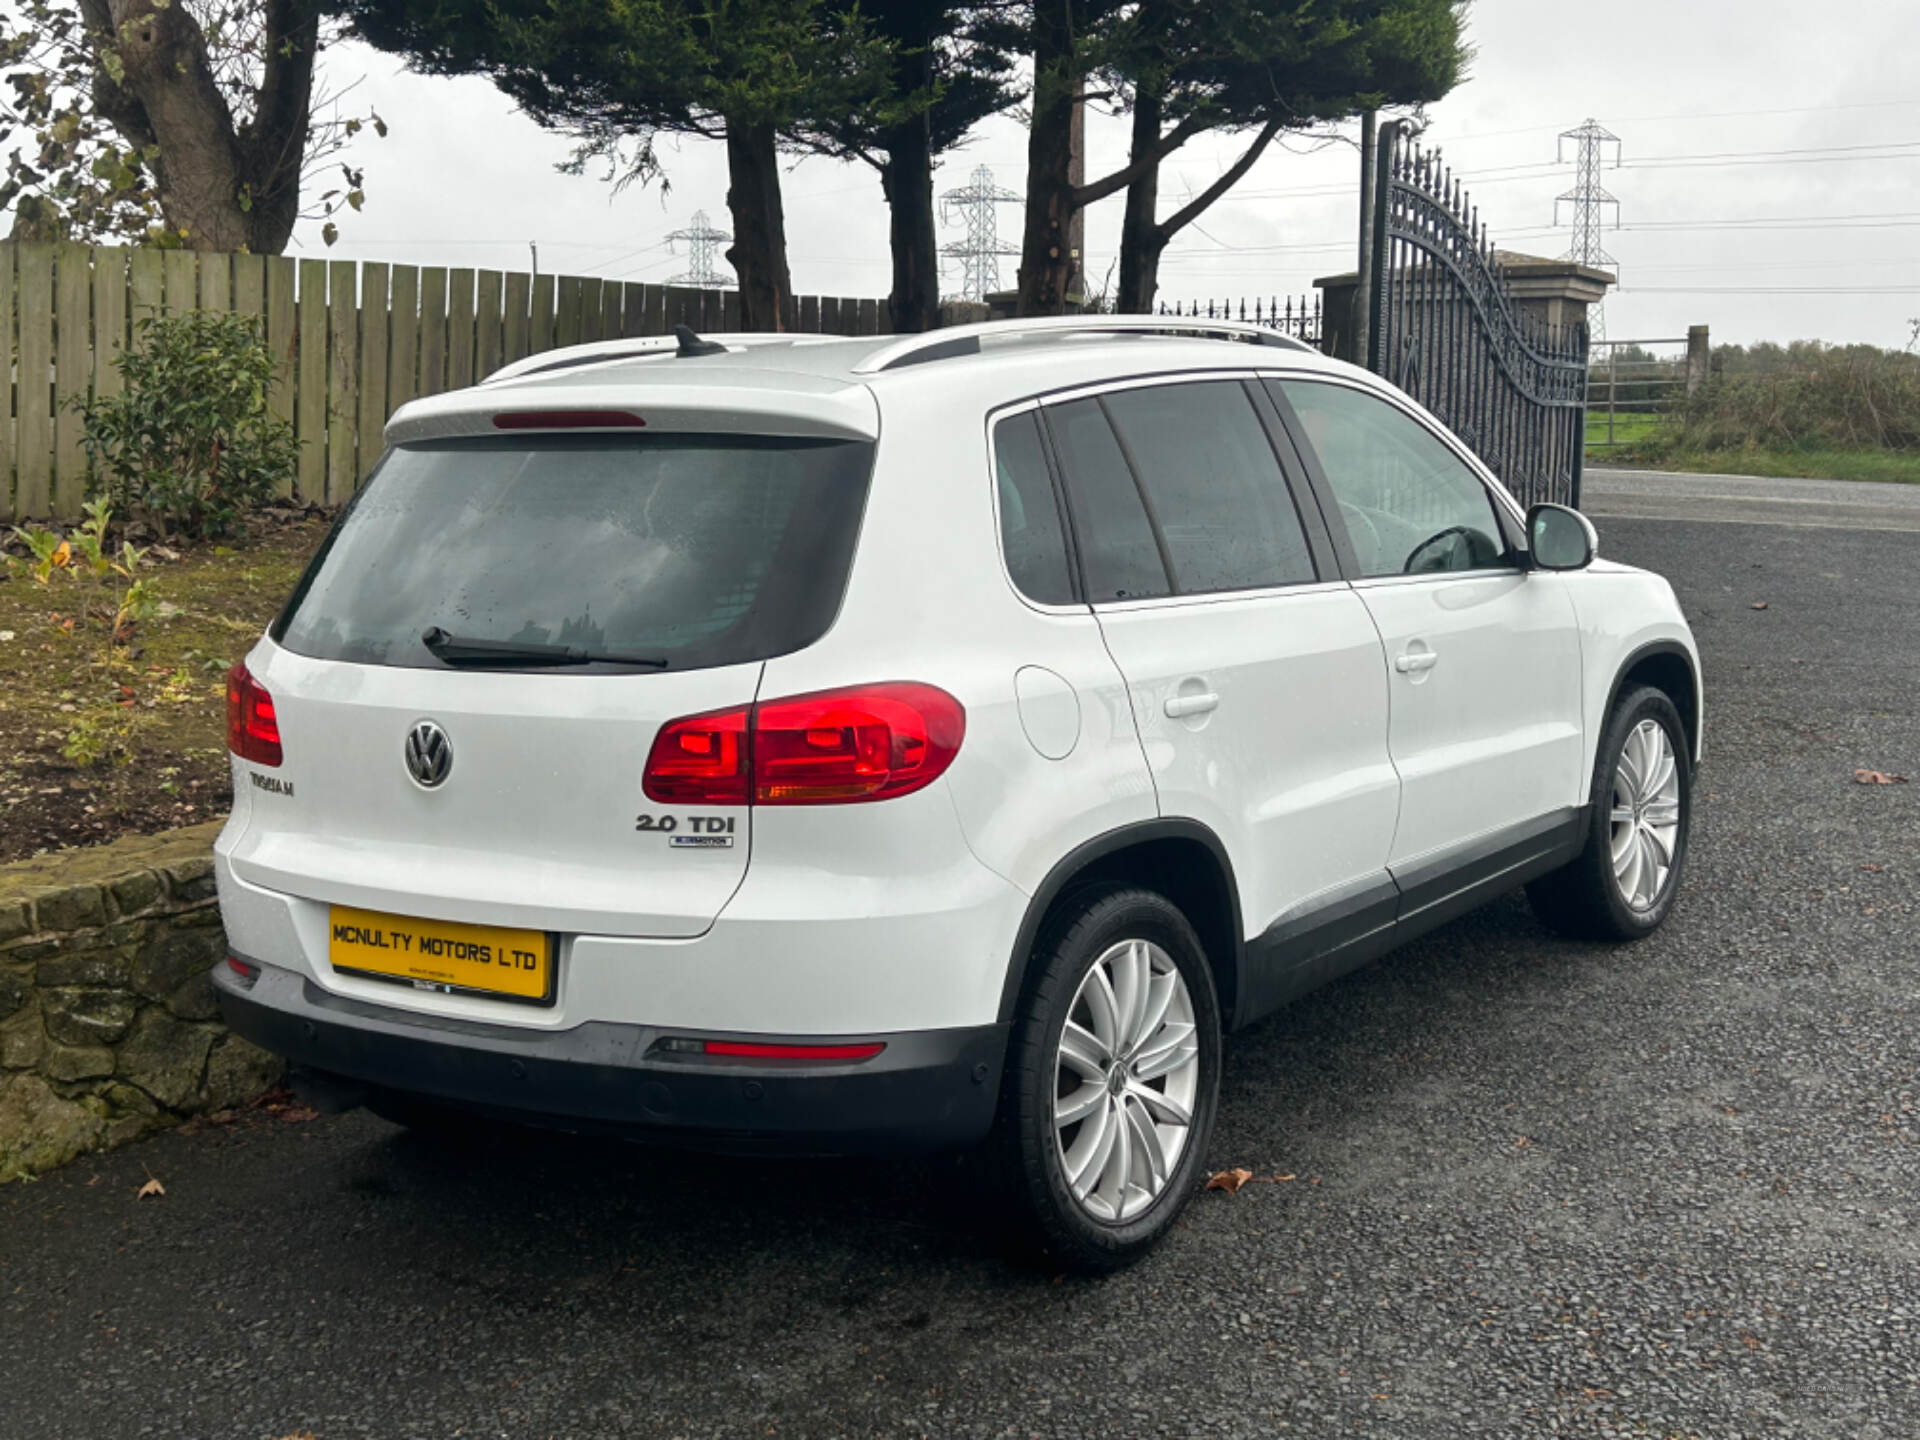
429, 754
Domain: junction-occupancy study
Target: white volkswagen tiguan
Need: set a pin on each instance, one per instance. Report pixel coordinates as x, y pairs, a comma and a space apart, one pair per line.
924, 741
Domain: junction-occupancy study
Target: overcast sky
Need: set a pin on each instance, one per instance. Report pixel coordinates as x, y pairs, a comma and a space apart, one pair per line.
1771, 184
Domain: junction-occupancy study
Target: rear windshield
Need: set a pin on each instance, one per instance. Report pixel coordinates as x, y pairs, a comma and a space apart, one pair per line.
700, 550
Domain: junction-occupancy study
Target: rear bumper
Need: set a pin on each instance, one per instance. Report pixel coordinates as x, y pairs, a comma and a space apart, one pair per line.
929, 1089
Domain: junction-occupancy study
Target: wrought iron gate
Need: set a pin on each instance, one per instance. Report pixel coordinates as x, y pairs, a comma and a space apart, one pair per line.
1444, 327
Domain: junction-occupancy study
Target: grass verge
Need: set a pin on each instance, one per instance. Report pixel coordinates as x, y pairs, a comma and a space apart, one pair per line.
1897, 466
102, 739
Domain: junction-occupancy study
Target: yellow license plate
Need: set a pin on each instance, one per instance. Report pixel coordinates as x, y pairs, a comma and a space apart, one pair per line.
487, 958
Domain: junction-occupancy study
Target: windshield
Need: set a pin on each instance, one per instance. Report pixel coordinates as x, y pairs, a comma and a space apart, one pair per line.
692, 550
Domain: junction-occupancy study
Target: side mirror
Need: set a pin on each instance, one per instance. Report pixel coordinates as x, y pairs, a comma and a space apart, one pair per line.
1560, 539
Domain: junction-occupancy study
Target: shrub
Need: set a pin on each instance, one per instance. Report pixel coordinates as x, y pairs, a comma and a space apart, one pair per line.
1831, 397
189, 443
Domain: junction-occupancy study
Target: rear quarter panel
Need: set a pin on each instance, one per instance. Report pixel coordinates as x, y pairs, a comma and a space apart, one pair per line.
929, 600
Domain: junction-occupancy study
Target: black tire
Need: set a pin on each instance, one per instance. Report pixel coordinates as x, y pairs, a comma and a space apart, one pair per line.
1047, 1221
1583, 899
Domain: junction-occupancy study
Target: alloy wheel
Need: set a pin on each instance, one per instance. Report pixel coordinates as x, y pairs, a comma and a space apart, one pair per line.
1645, 829
1126, 1075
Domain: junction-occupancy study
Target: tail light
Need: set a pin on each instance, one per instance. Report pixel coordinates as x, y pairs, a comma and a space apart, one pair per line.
701, 760
253, 730
836, 747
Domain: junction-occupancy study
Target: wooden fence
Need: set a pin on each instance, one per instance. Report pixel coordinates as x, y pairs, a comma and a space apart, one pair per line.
357, 340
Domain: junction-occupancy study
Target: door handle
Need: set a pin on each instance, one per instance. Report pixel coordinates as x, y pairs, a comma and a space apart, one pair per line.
1180, 706
1415, 662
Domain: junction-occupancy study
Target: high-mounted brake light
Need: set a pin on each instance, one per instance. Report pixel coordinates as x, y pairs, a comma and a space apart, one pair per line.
568, 420
253, 729
835, 747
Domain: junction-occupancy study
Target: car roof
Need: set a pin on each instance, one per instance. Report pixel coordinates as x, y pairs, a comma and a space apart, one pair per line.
834, 385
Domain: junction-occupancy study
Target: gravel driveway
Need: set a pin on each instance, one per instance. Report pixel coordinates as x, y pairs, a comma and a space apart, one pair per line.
1537, 1188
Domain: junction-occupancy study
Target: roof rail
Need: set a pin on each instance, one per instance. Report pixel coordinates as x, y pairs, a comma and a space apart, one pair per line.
638, 347
966, 339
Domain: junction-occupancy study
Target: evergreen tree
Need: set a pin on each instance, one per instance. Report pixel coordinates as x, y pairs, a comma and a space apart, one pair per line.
617, 74
1269, 67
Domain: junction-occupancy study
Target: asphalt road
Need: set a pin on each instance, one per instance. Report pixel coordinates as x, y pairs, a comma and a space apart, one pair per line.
1539, 1188
1750, 500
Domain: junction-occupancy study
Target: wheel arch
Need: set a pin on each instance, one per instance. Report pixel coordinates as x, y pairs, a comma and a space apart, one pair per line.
1669, 667
1181, 859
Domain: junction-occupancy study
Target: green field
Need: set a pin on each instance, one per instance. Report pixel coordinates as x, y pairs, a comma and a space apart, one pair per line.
1629, 428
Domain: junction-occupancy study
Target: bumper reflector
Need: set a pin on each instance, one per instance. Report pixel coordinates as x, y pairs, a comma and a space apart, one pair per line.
753, 1050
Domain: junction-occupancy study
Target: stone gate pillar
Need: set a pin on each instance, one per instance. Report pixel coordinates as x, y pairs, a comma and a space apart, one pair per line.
1553, 292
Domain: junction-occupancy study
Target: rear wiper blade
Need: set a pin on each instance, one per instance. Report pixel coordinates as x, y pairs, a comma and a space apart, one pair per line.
454, 650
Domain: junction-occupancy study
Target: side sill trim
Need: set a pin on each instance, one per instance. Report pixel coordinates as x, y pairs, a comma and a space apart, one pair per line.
1302, 951
1436, 880
1305, 948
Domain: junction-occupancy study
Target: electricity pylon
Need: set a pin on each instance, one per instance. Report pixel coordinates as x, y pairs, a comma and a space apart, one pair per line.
979, 254
703, 241
1590, 200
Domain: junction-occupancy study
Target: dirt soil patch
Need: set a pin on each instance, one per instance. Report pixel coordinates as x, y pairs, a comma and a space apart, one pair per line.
100, 740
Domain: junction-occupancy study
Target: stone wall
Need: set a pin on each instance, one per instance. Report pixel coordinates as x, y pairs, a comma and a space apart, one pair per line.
108, 1027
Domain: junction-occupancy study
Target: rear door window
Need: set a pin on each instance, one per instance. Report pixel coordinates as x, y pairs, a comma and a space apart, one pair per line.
1217, 491
695, 550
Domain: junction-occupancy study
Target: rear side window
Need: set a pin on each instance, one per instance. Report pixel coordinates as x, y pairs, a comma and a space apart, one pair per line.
1222, 503
698, 550
1030, 529
1117, 549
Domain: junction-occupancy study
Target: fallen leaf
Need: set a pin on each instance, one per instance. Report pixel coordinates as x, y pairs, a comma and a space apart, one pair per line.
1877, 777
1229, 1180
153, 1188
1758, 605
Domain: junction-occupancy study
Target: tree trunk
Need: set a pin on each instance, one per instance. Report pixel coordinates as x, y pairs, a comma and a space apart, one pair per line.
1140, 240
1046, 260
759, 250
914, 302
1144, 238
220, 187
